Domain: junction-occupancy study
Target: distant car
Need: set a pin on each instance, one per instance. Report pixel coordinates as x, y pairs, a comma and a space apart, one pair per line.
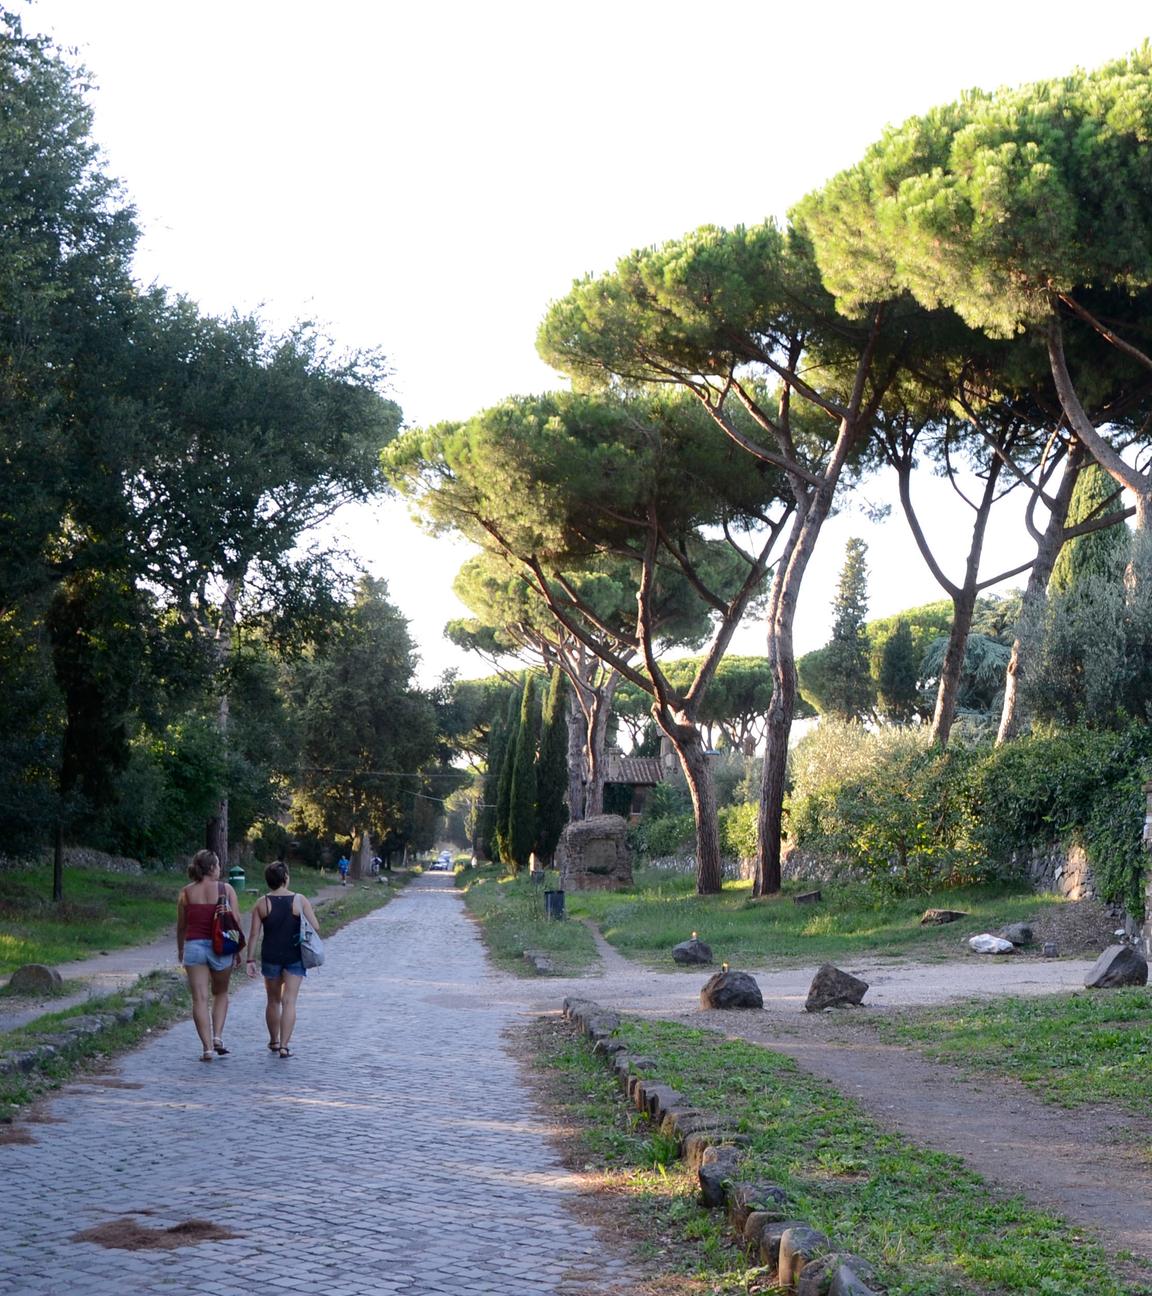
442, 863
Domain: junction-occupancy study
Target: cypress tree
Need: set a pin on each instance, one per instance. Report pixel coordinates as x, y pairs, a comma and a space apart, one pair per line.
1101, 553
552, 771
522, 802
851, 692
504, 780
485, 844
898, 675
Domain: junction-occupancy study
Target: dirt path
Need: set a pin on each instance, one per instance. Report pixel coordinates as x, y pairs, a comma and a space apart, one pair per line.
1090, 1166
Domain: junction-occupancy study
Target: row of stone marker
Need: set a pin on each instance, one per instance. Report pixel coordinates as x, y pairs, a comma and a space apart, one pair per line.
801, 1259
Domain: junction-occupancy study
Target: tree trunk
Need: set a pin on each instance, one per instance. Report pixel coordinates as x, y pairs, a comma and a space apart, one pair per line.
359, 862
688, 744
577, 737
1035, 597
216, 836
58, 863
596, 765
963, 605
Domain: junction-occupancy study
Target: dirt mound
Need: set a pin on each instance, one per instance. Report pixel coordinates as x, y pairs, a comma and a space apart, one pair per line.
128, 1235
1082, 927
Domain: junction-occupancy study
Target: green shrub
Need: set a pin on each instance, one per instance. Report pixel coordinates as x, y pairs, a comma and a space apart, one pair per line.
738, 830
668, 835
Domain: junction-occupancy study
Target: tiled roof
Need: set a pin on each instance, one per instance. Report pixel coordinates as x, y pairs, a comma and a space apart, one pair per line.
640, 771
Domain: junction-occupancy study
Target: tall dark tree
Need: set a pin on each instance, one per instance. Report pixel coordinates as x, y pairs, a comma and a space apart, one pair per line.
852, 694
503, 813
899, 670
552, 769
522, 822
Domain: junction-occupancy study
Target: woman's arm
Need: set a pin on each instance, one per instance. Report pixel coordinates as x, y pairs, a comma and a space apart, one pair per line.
309, 912
181, 924
253, 933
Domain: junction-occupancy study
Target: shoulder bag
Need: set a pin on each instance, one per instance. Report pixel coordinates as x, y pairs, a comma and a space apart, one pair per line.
311, 946
227, 938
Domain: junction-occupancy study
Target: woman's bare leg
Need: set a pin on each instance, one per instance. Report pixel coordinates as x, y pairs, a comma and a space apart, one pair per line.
292, 986
220, 985
272, 1008
200, 985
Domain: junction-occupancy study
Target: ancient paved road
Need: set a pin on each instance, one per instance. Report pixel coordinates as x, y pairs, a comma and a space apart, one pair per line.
397, 1152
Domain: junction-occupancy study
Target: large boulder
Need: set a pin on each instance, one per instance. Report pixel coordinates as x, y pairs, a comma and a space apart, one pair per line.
692, 951
593, 855
1119, 965
731, 990
35, 978
1018, 933
986, 943
832, 988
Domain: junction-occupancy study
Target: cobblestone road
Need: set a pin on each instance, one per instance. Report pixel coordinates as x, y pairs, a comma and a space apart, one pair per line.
397, 1152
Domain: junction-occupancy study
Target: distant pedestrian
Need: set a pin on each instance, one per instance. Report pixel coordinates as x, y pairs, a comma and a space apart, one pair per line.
342, 865
276, 917
208, 973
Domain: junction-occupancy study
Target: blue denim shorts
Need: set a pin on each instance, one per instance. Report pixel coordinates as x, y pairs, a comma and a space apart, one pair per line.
273, 970
199, 953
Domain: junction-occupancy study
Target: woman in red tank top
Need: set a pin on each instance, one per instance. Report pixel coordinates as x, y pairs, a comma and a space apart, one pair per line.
208, 973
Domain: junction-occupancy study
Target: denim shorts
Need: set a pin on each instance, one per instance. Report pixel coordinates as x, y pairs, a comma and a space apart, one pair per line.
273, 970
199, 953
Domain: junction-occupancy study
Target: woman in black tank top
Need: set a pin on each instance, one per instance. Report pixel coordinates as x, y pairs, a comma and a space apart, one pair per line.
276, 917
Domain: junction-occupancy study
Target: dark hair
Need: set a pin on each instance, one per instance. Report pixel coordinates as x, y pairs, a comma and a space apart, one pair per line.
203, 862
276, 874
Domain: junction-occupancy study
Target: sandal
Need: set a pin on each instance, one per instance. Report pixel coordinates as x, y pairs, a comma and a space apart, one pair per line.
218, 1045
206, 1056
274, 1046
286, 1052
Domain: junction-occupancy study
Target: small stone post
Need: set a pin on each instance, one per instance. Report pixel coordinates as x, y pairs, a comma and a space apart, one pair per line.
1146, 932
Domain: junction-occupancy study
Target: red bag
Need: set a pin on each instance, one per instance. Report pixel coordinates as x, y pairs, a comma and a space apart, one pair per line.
227, 938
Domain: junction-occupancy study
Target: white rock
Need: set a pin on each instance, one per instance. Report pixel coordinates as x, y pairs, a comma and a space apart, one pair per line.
987, 944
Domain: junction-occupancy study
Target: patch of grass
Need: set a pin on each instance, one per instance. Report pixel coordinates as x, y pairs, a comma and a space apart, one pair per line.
930, 1226
512, 919
85, 1052
651, 1193
850, 921
1072, 1049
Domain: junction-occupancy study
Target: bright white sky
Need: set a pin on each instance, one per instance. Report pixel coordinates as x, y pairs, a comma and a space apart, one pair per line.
426, 177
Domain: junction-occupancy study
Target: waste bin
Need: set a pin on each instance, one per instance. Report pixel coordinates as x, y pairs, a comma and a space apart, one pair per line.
554, 904
236, 877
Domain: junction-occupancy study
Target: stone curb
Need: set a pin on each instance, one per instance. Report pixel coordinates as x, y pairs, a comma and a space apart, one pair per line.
801, 1259
89, 1026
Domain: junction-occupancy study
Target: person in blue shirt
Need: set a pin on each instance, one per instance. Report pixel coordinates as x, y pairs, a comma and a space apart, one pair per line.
342, 865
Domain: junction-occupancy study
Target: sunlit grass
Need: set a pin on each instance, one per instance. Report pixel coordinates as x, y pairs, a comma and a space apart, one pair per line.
930, 1226
849, 921
1073, 1049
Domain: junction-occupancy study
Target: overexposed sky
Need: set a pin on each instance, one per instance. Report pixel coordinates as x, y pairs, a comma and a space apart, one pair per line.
426, 177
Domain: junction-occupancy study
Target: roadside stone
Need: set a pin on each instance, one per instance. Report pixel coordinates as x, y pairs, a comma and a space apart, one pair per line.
938, 917
756, 1223
609, 1047
799, 1246
853, 1277
601, 1024
692, 951
35, 978
728, 990
770, 1242
658, 1099
1119, 965
837, 1274
696, 1146
808, 897
745, 1199
718, 1166
539, 962
986, 943
832, 988
1018, 933
26, 1060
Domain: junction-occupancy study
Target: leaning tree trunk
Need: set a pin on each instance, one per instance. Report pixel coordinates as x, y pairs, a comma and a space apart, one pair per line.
596, 766
963, 606
577, 738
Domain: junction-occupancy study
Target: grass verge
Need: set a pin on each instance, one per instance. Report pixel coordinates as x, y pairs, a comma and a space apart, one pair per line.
1077, 1049
512, 919
643, 1194
849, 922
931, 1227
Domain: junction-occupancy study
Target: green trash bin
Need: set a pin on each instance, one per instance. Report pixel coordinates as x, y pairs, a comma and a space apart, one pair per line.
236, 877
